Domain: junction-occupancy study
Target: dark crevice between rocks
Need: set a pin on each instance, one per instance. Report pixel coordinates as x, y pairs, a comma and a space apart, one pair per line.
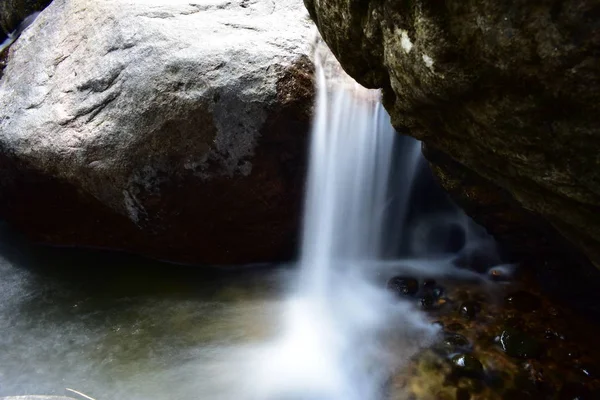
557, 266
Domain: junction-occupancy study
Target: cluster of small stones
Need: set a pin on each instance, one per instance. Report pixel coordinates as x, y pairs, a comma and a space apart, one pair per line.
497, 341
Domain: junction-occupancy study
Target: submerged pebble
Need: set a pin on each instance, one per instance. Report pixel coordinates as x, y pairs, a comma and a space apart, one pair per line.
470, 309
468, 365
428, 301
436, 291
403, 286
432, 296
453, 343
456, 340
518, 344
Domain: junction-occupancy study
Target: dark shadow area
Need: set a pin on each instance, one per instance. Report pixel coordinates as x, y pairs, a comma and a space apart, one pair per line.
98, 273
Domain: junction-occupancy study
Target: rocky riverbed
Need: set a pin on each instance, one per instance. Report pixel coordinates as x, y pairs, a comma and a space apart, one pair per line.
504, 341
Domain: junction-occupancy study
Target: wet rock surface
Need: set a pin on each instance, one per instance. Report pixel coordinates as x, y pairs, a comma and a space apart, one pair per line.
470, 309
508, 91
467, 365
451, 343
519, 344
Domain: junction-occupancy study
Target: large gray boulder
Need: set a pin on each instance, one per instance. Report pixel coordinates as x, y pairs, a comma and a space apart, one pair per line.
509, 90
173, 129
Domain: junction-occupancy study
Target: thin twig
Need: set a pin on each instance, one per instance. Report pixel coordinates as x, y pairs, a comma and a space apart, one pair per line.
80, 394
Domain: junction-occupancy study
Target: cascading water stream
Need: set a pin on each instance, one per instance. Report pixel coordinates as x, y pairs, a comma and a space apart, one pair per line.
350, 161
340, 325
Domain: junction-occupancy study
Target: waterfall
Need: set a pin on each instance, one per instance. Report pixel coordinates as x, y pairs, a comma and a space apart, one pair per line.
340, 323
350, 159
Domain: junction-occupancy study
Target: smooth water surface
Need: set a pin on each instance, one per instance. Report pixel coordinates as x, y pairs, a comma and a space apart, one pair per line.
118, 327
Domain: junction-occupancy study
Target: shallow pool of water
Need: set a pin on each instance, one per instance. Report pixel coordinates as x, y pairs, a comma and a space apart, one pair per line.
119, 327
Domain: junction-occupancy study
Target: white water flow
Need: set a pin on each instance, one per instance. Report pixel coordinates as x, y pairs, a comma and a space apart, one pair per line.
350, 160
344, 334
